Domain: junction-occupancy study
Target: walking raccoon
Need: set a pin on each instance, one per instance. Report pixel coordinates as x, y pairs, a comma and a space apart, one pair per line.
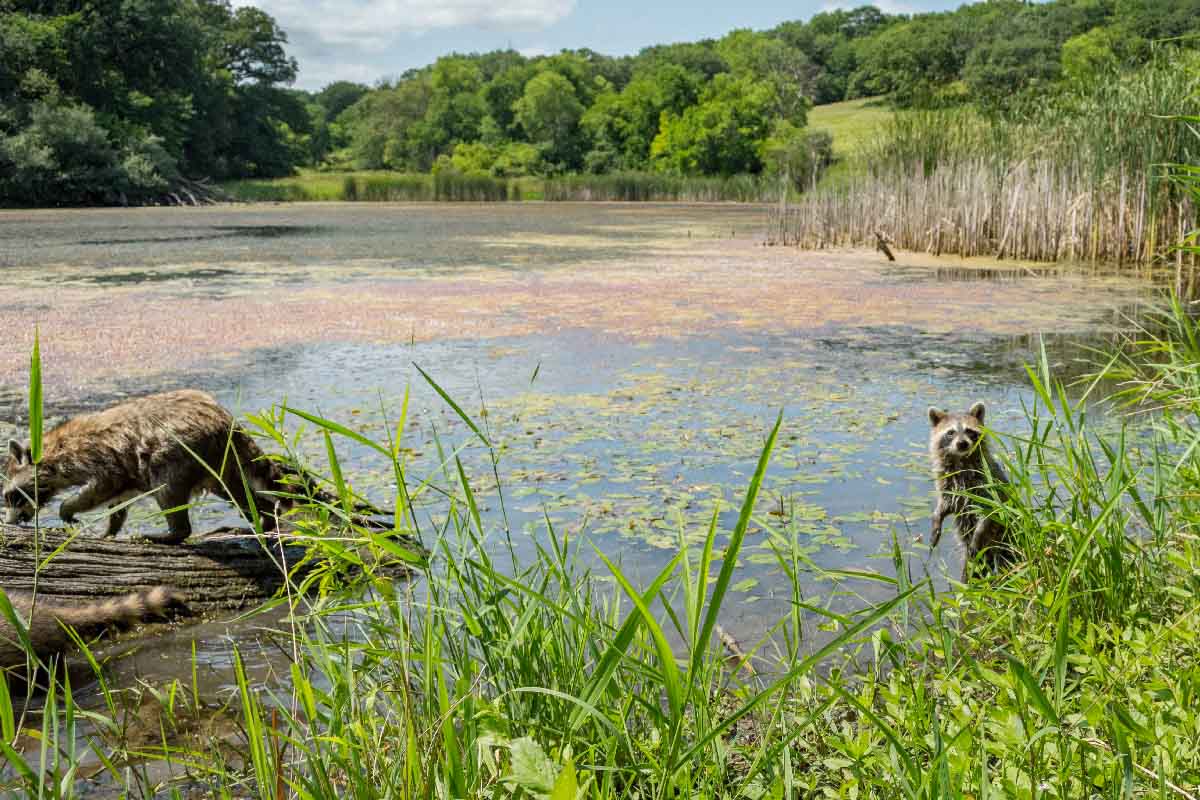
46, 633
173, 445
959, 452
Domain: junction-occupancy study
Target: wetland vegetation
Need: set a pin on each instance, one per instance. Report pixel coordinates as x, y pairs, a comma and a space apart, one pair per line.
558, 674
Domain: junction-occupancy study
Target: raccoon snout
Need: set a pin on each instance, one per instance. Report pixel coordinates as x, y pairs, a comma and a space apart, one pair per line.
961, 446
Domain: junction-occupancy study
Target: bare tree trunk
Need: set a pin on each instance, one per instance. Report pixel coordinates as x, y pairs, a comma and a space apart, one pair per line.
882, 240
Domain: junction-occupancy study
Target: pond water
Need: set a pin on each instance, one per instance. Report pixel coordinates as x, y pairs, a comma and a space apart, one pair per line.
628, 361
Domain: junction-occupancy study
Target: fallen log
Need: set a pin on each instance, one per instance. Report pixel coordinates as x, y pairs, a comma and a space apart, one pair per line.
232, 569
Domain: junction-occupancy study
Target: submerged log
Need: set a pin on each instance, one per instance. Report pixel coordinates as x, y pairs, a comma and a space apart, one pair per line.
230, 570
882, 240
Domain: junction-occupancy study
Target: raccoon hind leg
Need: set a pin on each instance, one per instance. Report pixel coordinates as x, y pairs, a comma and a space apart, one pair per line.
175, 503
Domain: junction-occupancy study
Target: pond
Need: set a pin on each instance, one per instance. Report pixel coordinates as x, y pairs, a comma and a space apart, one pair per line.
627, 360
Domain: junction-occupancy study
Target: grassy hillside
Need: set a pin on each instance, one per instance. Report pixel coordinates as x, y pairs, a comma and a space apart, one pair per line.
851, 123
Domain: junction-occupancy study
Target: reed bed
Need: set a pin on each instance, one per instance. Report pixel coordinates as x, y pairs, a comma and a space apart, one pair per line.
451, 186
1081, 176
646, 186
376, 187
1033, 211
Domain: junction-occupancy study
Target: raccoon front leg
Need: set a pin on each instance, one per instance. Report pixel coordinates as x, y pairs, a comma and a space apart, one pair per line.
939, 516
92, 495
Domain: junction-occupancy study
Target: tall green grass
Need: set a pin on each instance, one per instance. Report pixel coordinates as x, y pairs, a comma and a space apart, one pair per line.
451, 186
647, 186
375, 187
558, 675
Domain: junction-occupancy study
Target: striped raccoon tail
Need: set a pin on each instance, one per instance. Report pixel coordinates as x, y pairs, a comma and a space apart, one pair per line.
117, 612
48, 637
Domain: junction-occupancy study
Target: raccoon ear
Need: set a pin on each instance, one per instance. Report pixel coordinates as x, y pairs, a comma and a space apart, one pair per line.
977, 411
935, 416
19, 452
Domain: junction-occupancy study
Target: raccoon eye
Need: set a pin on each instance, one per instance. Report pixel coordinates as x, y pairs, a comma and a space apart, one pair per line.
972, 434
949, 435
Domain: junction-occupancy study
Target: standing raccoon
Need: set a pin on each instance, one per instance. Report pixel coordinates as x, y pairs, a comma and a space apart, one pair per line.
172, 445
959, 453
47, 636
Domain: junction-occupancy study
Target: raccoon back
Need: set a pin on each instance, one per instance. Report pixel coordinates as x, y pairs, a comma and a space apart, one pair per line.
136, 438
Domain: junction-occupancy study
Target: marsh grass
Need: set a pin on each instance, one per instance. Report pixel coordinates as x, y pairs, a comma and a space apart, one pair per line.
647, 186
1083, 176
450, 186
559, 675
383, 187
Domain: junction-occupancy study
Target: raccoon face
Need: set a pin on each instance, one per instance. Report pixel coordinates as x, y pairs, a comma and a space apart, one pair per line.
22, 492
956, 436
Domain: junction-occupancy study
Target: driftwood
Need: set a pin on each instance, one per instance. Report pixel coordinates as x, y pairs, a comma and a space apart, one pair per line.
882, 240
231, 570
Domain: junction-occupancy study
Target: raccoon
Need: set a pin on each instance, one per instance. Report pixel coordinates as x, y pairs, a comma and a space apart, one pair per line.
959, 452
46, 633
171, 445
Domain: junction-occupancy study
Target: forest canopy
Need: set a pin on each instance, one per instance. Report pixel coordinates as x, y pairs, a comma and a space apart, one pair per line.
123, 104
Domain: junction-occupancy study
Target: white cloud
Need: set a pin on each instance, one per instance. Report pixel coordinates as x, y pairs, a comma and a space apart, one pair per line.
376, 24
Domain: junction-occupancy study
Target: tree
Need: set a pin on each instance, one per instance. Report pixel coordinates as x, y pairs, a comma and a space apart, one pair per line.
549, 113
997, 69
722, 135
1091, 56
385, 126
338, 96
771, 60
622, 125
455, 113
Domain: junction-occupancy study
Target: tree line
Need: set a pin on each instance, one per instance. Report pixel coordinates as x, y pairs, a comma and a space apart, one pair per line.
124, 101
121, 104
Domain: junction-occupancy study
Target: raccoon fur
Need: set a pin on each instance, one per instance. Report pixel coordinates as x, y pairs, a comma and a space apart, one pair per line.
47, 635
169, 445
962, 466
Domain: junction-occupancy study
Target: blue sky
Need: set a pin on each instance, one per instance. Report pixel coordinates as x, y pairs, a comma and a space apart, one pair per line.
365, 40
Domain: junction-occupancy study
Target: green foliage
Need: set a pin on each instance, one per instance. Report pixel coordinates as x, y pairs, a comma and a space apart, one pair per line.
798, 157
997, 69
691, 108
1091, 56
723, 134
549, 113
88, 113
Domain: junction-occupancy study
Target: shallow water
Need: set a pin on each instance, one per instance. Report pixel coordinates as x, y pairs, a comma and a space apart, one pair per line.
630, 359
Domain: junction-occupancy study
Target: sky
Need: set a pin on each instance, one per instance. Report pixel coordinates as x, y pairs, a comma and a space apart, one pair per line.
367, 40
